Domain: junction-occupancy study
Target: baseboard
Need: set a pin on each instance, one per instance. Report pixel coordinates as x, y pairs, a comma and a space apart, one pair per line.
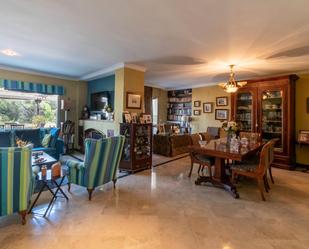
300, 165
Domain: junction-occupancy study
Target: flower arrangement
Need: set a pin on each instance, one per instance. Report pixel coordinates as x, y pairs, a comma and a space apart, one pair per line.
20, 143
108, 108
230, 126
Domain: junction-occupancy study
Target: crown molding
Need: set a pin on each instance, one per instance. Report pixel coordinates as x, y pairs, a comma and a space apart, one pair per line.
111, 70
37, 73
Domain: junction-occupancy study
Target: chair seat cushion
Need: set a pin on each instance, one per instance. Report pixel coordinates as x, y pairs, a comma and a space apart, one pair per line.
205, 159
245, 167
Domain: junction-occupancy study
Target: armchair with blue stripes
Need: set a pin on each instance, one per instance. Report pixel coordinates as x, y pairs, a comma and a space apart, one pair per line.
16, 181
101, 163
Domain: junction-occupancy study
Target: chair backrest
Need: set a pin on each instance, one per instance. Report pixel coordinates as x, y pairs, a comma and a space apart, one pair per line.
214, 132
264, 159
16, 185
195, 138
206, 136
250, 135
102, 159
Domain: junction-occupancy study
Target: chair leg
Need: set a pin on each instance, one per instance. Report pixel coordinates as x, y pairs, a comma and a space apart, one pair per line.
199, 169
260, 185
69, 186
191, 169
271, 175
209, 171
23, 216
90, 190
265, 183
114, 181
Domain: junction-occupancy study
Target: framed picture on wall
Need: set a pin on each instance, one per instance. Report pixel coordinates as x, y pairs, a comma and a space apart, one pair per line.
197, 112
197, 103
134, 100
221, 114
222, 101
207, 107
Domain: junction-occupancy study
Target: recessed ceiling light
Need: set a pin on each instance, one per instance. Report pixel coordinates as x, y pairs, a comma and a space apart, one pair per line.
9, 52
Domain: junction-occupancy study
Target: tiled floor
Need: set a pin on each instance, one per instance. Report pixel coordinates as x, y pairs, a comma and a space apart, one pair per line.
165, 209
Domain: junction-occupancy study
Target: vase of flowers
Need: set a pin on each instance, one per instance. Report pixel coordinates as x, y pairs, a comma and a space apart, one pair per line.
231, 128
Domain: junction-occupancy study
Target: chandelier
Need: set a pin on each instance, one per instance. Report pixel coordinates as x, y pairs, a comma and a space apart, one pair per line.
232, 85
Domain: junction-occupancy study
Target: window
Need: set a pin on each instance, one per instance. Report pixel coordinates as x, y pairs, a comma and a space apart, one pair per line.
29, 109
155, 111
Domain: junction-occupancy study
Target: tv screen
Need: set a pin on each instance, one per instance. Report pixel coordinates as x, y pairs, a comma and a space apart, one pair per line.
99, 100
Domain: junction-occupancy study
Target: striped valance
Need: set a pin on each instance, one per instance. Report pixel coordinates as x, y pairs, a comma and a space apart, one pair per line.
23, 86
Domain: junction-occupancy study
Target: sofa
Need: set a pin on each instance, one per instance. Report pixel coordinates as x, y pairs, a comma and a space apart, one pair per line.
15, 164
35, 136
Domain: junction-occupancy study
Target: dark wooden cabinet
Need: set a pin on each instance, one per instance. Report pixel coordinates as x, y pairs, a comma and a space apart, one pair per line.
137, 152
267, 106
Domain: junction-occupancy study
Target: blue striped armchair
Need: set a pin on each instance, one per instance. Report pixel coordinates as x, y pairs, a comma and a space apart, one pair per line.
102, 159
16, 181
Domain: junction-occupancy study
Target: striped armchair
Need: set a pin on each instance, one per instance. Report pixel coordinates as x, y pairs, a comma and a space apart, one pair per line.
102, 159
16, 181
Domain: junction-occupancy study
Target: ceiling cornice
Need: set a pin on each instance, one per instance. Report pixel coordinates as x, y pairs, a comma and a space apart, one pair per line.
111, 70
33, 72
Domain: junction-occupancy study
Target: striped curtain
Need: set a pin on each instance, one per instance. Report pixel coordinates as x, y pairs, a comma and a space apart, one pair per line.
23, 86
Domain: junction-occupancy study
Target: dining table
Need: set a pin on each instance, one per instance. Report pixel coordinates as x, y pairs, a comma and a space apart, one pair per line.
223, 154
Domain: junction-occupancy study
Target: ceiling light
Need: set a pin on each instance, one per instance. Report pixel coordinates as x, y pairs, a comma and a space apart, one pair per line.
232, 85
9, 52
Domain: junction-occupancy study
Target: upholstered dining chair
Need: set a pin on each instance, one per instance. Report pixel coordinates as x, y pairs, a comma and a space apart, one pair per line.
16, 181
271, 157
202, 160
101, 163
254, 170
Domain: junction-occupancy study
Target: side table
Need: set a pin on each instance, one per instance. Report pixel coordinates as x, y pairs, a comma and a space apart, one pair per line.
48, 179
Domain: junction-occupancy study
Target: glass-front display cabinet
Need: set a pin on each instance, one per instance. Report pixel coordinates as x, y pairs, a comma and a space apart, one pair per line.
267, 106
272, 117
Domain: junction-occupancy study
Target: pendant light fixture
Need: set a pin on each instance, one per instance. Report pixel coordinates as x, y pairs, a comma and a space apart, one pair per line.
232, 85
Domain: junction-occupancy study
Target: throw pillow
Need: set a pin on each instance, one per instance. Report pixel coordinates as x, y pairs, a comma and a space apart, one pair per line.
46, 140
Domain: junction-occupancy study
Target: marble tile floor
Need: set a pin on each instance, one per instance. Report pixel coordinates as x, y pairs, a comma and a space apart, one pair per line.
165, 209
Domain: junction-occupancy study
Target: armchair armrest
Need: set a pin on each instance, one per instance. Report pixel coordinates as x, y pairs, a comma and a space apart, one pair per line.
76, 172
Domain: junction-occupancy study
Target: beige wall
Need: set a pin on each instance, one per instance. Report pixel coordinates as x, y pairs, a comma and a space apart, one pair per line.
162, 103
207, 94
75, 90
302, 117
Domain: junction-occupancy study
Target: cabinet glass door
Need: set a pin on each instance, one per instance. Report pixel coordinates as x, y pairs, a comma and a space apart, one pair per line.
272, 116
244, 115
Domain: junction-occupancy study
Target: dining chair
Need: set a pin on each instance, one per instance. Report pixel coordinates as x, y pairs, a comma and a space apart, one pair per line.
272, 157
202, 160
254, 170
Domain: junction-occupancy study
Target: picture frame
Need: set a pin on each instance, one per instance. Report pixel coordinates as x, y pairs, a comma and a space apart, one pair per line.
147, 118
127, 118
207, 107
303, 136
197, 103
222, 114
197, 112
222, 101
134, 118
134, 100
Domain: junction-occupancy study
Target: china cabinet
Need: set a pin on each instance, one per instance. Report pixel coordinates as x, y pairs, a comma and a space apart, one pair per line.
137, 151
267, 106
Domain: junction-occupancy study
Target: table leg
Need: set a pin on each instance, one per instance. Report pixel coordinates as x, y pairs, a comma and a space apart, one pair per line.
37, 197
220, 179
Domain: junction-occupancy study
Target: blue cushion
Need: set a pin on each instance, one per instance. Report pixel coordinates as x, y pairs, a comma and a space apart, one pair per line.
5, 138
54, 132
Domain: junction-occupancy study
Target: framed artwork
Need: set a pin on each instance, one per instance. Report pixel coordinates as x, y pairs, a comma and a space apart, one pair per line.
127, 117
134, 117
222, 101
222, 114
161, 129
197, 112
147, 118
207, 107
303, 136
134, 100
197, 103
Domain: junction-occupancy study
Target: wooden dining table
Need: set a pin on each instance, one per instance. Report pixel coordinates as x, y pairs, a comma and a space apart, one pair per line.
221, 152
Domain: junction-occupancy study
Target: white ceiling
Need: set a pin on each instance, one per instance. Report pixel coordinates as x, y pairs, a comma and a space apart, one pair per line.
182, 43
